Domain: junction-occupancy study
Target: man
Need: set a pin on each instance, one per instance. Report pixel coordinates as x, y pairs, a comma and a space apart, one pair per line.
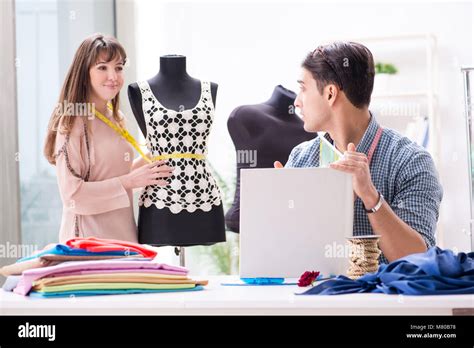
396, 187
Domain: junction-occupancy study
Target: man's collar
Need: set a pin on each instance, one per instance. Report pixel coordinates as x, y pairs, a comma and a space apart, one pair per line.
368, 137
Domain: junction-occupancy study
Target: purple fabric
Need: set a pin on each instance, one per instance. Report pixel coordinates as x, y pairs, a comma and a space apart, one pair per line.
28, 276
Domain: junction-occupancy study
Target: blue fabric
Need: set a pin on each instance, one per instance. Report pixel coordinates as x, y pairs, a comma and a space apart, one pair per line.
79, 293
11, 282
61, 249
434, 272
401, 170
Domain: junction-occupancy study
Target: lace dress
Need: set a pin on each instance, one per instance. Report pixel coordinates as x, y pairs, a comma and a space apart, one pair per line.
180, 137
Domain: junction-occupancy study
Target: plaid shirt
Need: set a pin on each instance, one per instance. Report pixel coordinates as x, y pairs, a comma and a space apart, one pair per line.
401, 170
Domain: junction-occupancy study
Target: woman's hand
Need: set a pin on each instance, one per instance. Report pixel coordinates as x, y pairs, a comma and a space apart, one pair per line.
149, 174
140, 161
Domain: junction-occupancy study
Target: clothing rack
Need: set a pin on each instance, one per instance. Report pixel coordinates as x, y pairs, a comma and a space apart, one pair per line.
467, 75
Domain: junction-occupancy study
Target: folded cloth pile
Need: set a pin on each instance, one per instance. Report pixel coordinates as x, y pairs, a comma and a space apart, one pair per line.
434, 272
79, 249
105, 277
92, 266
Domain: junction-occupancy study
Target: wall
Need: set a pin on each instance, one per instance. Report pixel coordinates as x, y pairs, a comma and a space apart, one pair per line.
250, 47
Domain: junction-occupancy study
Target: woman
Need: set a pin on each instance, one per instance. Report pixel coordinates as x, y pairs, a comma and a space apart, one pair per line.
95, 167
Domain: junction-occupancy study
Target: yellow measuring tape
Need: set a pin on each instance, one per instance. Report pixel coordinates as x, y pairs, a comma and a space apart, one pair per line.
179, 155
128, 137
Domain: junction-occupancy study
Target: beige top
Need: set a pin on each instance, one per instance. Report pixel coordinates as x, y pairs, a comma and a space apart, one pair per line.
103, 206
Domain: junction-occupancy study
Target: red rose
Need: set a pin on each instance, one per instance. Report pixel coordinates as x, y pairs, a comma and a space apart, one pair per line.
307, 278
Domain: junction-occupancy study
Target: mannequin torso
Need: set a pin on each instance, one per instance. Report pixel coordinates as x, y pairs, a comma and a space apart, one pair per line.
266, 132
176, 90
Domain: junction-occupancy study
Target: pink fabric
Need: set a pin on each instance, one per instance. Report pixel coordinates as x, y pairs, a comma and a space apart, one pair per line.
108, 271
27, 278
99, 245
104, 207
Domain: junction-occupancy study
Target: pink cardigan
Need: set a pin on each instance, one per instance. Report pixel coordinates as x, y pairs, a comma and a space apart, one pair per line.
104, 207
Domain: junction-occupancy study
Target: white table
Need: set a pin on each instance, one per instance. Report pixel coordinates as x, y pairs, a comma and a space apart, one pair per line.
218, 299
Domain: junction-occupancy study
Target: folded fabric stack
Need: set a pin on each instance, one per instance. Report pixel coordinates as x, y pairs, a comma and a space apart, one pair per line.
92, 266
105, 277
79, 249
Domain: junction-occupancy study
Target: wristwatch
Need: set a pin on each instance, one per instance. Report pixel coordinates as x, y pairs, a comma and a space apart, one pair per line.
377, 206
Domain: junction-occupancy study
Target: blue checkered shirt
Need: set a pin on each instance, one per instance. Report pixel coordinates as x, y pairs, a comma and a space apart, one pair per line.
401, 170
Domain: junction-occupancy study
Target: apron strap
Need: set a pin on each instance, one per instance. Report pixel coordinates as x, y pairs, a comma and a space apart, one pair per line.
376, 141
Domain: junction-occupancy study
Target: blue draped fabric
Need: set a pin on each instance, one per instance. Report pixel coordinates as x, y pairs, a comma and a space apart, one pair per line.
434, 272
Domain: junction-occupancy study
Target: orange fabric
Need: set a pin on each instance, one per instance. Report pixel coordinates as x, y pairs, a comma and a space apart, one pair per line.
19, 267
94, 244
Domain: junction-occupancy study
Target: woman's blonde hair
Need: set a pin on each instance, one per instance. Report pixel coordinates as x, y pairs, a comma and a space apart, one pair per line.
77, 87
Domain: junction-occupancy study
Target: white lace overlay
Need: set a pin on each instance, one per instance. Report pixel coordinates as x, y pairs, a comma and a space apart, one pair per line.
191, 186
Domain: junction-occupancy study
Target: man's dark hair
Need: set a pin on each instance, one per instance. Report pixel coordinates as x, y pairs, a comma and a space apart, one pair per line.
349, 65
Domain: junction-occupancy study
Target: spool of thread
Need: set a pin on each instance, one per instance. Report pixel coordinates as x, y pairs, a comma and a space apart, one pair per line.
364, 256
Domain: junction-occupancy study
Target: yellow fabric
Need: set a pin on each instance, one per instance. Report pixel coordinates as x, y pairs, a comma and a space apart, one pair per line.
113, 277
112, 286
327, 152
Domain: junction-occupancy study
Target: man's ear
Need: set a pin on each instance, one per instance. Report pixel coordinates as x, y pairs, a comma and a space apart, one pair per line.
331, 93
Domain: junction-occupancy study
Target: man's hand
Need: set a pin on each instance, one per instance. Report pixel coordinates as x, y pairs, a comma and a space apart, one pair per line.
277, 164
357, 164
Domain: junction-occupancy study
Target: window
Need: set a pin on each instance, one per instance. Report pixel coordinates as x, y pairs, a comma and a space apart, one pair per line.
47, 35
